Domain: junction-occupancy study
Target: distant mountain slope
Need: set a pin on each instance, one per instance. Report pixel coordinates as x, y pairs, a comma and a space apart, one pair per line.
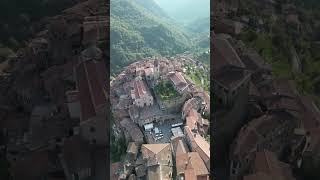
137, 32
201, 25
153, 7
185, 11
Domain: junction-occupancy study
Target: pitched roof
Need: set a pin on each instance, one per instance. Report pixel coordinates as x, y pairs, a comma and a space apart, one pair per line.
90, 79
224, 54
178, 80
155, 148
139, 89
132, 148
191, 165
179, 146
198, 142
192, 119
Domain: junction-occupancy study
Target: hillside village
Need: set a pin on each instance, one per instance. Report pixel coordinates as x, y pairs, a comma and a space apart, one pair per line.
53, 99
161, 113
266, 123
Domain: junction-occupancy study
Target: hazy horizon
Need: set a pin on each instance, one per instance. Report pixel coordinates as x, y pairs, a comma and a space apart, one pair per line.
185, 11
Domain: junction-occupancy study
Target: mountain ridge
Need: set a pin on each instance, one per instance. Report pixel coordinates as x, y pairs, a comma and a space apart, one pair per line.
137, 32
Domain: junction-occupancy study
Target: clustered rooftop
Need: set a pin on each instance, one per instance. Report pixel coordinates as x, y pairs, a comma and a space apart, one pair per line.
259, 116
58, 82
133, 92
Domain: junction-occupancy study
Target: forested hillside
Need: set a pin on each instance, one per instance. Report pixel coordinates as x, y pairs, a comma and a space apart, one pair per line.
138, 32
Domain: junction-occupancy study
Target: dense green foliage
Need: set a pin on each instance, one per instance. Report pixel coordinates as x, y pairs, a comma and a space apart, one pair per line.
137, 32
278, 38
118, 148
165, 90
198, 76
200, 25
152, 7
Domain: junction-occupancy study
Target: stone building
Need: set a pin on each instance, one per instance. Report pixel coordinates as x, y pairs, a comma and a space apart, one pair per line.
158, 159
90, 76
141, 94
198, 144
178, 81
230, 75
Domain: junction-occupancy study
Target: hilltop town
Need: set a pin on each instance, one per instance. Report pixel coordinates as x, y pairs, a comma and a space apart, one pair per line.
53, 99
162, 115
266, 123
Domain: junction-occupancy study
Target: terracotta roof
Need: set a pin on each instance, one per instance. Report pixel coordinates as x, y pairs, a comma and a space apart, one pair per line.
139, 89
154, 148
192, 119
198, 143
191, 165
178, 80
179, 146
190, 104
